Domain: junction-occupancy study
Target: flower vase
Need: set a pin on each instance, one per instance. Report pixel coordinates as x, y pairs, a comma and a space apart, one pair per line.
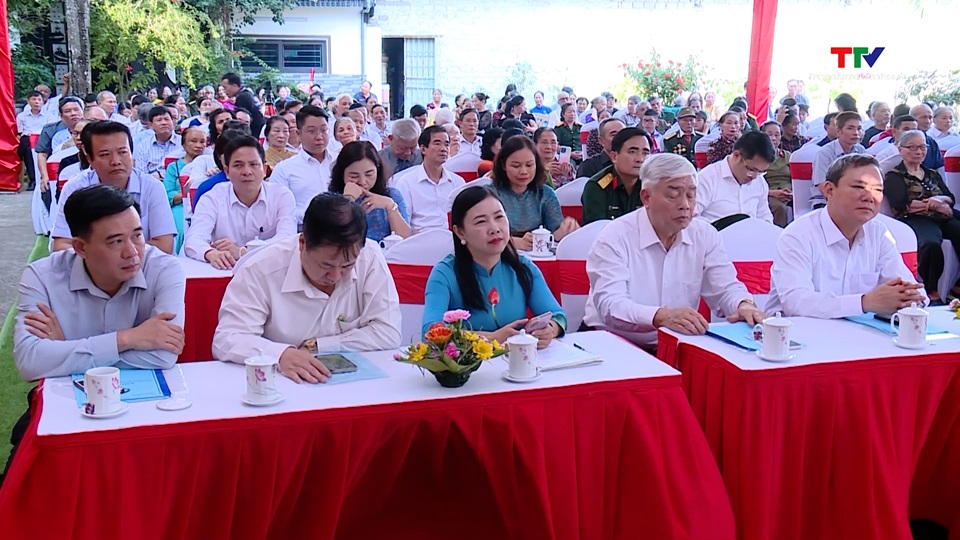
449, 379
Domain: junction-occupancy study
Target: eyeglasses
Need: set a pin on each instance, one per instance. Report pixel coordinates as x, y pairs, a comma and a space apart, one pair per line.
921, 148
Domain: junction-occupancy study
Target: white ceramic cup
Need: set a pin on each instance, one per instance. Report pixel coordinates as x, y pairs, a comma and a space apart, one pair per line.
541, 240
102, 386
390, 241
775, 332
910, 324
261, 377
523, 356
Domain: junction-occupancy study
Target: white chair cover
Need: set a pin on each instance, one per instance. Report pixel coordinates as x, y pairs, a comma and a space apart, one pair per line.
801, 172
569, 194
463, 162
576, 246
482, 181
751, 240
424, 249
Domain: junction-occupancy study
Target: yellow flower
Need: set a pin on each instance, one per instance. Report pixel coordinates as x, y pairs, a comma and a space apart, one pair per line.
496, 345
482, 349
470, 336
418, 352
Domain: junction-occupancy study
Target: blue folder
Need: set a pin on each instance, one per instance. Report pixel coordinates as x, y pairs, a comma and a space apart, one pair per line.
135, 385
868, 319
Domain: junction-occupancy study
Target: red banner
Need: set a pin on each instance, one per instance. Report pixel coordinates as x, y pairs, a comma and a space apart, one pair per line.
9, 162
761, 57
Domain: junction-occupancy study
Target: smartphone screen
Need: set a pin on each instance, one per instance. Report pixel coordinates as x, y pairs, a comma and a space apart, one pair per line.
538, 323
336, 363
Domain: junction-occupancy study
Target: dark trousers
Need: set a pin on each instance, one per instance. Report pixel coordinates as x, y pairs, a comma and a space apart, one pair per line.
16, 436
930, 234
26, 157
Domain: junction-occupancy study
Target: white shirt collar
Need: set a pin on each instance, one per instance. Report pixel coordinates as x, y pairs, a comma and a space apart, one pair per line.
647, 235
262, 196
831, 233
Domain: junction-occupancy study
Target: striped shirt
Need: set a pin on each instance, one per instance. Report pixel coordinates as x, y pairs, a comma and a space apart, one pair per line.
149, 153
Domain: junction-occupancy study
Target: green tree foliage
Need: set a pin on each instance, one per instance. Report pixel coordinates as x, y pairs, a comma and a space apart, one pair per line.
665, 78
30, 68
26, 16
941, 87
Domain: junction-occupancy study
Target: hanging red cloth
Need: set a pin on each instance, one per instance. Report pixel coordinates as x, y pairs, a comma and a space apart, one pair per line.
761, 57
9, 162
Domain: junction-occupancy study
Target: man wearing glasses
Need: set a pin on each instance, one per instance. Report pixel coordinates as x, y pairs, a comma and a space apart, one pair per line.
734, 188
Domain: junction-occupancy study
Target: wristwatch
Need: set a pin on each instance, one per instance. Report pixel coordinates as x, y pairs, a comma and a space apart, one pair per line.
747, 301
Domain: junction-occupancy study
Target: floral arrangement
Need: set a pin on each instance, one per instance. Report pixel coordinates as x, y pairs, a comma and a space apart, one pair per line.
667, 79
954, 306
449, 351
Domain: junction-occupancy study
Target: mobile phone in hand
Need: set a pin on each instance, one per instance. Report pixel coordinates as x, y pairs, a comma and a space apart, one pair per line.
538, 323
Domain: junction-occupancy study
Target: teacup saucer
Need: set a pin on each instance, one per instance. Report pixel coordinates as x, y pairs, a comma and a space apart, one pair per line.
176, 403
124, 407
262, 402
896, 341
507, 377
772, 359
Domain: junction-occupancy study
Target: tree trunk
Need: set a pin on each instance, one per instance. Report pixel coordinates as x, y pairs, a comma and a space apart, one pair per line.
78, 45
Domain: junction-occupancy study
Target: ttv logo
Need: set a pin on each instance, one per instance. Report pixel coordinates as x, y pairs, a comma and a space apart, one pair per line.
859, 53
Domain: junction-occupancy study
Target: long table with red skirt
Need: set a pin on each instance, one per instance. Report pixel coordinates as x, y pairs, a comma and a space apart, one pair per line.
206, 286
852, 438
605, 451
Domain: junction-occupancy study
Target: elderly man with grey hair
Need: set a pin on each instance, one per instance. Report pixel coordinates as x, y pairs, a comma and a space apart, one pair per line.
403, 151
924, 115
107, 101
554, 117
920, 198
649, 269
629, 116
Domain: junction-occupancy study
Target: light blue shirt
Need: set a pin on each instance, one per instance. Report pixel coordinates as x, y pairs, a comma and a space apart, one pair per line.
443, 294
148, 153
155, 213
90, 318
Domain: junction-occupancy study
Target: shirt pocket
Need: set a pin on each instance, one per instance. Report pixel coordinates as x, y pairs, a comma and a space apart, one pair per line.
345, 325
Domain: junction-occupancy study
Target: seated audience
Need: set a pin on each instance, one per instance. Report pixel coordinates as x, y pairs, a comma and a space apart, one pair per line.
326, 289
454, 133
358, 174
489, 148
231, 130
889, 147
519, 179
924, 115
107, 146
684, 140
419, 114
615, 190
880, 114
245, 209
345, 131
56, 133
485, 115
470, 140
157, 143
484, 263
778, 178
838, 261
849, 133
650, 122
791, 139
109, 300
568, 132
307, 174
402, 153
380, 123
558, 173
194, 141
830, 126
680, 258
607, 130
593, 146
206, 166
734, 188
942, 124
722, 146
919, 197
278, 137
427, 187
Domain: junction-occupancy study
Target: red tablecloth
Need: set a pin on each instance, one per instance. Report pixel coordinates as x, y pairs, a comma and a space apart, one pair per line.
831, 451
203, 297
201, 313
621, 459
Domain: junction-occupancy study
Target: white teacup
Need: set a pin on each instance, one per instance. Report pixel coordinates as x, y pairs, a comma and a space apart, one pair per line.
523, 356
102, 386
910, 324
389, 241
541, 240
261, 378
775, 337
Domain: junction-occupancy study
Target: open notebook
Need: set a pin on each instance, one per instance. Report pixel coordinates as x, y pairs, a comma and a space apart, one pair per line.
560, 355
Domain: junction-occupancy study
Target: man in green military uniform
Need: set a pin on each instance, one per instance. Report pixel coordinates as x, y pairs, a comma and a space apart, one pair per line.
682, 142
615, 190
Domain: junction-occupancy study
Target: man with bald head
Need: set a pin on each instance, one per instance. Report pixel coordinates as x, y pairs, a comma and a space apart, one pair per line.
924, 116
107, 101
608, 130
95, 113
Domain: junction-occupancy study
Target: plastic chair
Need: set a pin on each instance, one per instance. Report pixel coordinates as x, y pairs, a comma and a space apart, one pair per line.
569, 196
751, 245
801, 173
411, 261
572, 253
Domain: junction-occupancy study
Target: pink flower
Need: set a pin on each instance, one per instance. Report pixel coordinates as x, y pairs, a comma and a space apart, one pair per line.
954, 304
456, 315
261, 376
452, 351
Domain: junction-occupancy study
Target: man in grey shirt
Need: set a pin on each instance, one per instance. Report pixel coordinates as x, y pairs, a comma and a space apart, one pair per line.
403, 151
109, 300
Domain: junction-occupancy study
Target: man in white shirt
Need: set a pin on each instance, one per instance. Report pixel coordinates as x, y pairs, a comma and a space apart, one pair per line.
32, 119
849, 133
649, 121
307, 173
235, 213
107, 147
470, 141
648, 269
839, 261
427, 187
735, 185
107, 101
554, 118
358, 113
327, 289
